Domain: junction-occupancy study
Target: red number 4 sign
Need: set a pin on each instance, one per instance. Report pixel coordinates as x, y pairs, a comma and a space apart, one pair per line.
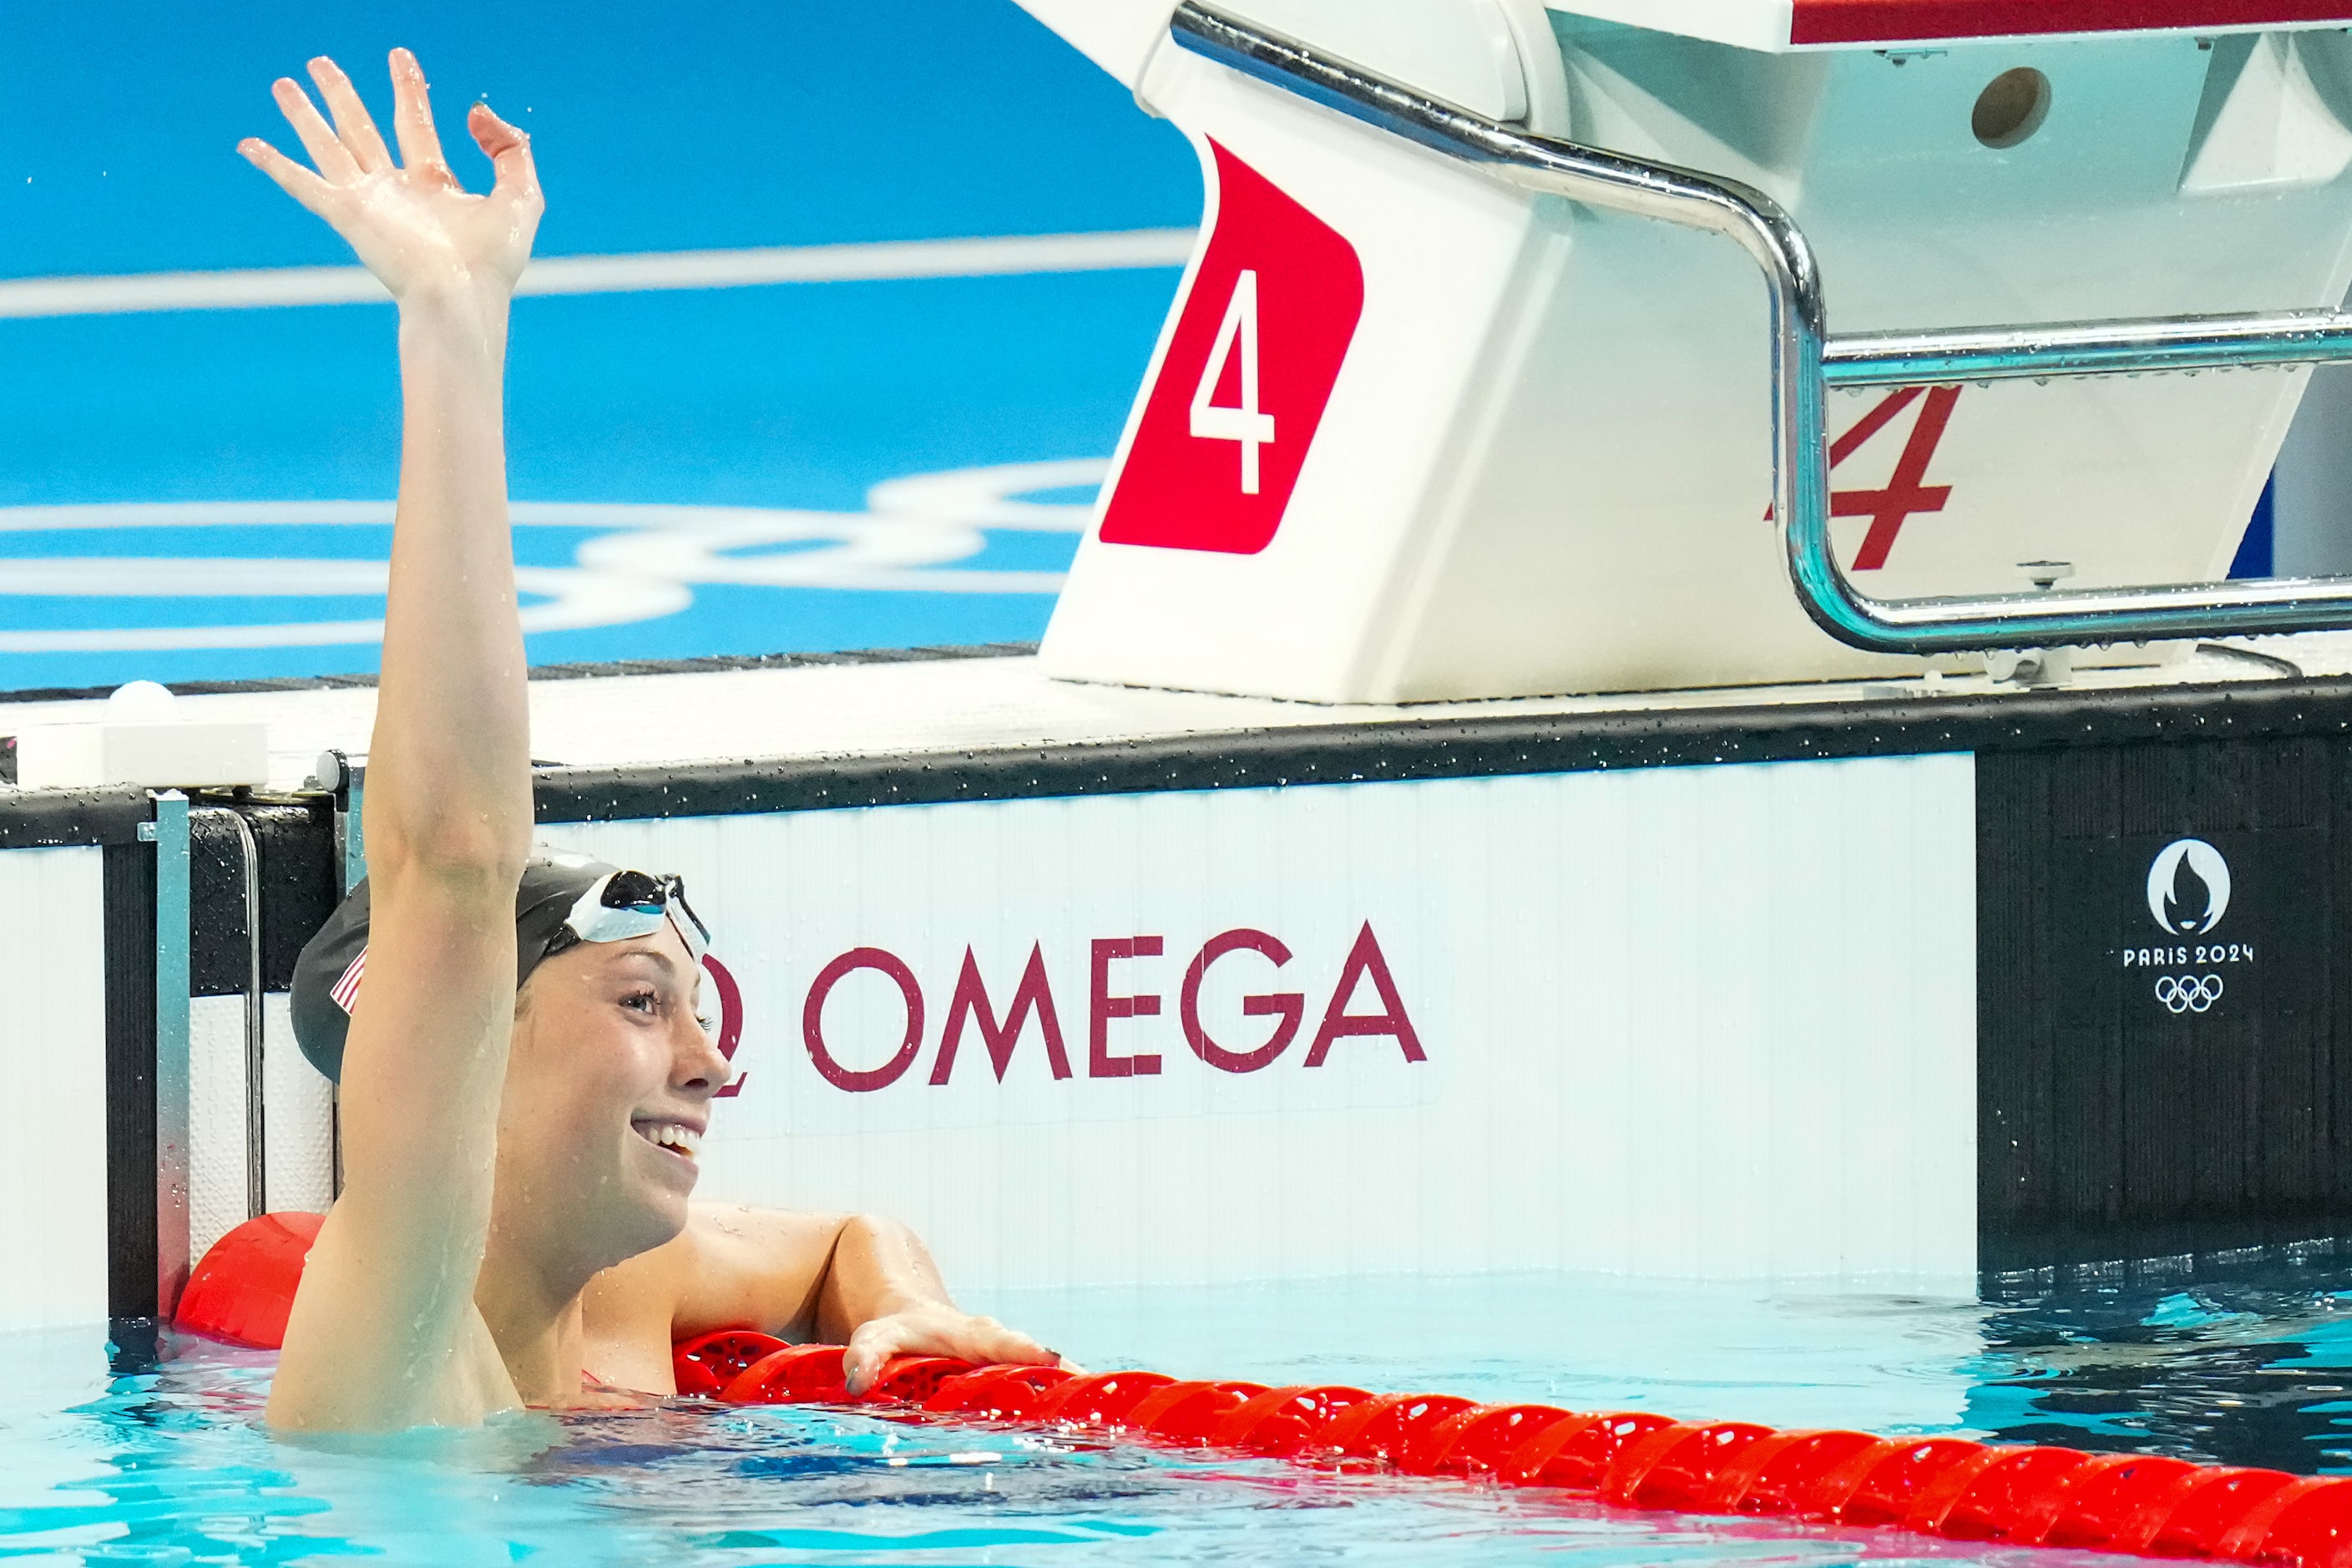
1907, 493
1250, 365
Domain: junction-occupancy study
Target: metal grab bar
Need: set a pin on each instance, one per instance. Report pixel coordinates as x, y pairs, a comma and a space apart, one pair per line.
1806, 361
256, 1140
2087, 348
169, 833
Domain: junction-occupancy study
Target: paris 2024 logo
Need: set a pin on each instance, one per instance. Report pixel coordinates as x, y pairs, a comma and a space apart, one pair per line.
2187, 889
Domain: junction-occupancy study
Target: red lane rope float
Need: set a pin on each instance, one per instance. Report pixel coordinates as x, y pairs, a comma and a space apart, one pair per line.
1100, 1399
996, 1392
1190, 1413
712, 1361
911, 1379
1280, 1422
1473, 1442
1949, 1487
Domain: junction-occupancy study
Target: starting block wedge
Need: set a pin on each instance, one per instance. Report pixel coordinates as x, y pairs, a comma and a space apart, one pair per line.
1466, 395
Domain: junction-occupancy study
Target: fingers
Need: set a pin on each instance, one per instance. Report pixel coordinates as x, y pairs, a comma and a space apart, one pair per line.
292, 178
938, 1332
357, 133
993, 1341
986, 1341
411, 119
509, 150
870, 1348
328, 156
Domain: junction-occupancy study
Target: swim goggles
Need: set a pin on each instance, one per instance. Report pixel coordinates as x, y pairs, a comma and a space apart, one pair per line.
622, 906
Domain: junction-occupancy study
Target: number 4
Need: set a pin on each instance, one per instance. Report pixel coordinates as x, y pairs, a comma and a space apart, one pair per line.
1244, 423
1907, 494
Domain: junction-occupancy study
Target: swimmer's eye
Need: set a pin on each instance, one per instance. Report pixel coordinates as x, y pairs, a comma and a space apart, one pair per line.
646, 1001
709, 1024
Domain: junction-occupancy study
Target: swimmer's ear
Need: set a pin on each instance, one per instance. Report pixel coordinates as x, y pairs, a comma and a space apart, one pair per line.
509, 150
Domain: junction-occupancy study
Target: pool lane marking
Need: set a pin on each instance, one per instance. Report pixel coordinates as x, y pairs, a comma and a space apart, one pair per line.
270, 287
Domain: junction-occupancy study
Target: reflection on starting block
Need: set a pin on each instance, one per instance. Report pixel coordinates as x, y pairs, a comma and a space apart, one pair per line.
1413, 432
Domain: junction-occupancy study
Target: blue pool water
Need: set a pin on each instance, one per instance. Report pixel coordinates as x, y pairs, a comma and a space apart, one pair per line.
169, 1465
814, 124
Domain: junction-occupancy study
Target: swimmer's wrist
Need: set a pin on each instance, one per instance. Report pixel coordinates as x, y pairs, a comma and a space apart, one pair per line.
456, 300
470, 322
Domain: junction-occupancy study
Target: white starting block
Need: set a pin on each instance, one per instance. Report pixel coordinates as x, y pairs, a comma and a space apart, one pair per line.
1443, 411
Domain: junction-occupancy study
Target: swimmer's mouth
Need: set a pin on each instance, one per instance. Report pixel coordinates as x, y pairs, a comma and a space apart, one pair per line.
679, 1140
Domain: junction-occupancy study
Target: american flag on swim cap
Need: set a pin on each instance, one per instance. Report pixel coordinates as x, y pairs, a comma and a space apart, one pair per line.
347, 990
327, 974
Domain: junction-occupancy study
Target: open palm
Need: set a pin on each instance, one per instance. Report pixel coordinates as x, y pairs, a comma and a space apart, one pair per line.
411, 222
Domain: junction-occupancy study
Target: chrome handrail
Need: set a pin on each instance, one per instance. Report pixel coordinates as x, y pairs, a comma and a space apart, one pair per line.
1806, 361
2088, 348
169, 833
256, 1140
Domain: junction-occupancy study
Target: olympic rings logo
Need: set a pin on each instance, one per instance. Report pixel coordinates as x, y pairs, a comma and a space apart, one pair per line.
2188, 994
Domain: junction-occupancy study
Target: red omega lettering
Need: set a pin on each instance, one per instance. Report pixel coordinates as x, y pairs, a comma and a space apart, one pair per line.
1103, 1008
1366, 959
1289, 1006
1032, 994
813, 1021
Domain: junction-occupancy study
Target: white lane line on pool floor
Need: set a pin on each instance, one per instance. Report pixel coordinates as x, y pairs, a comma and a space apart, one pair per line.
266, 287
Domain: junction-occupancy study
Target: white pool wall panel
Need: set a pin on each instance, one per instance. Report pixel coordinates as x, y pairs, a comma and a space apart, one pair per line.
53, 1221
298, 1125
1679, 1022
298, 1146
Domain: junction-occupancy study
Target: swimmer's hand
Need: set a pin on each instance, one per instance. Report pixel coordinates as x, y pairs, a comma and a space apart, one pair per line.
416, 227
937, 1329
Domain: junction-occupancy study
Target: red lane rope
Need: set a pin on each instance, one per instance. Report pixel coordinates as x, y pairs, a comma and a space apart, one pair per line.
1947, 1487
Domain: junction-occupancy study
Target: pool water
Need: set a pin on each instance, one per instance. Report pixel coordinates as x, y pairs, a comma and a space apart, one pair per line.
168, 1465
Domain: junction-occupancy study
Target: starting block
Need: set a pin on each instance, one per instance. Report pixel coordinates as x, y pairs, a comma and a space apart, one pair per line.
1465, 394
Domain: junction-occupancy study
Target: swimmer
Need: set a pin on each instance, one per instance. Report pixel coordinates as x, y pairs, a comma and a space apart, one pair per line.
526, 1076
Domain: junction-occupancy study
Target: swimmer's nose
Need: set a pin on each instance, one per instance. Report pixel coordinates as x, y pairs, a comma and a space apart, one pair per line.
699, 1069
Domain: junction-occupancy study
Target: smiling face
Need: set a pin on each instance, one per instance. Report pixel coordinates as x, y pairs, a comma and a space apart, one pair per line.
608, 1091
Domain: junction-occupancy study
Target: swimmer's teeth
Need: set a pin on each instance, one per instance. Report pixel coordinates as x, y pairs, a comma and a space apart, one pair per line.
683, 1140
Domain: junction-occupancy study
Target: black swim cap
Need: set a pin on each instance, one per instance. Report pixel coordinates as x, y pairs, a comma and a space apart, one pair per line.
327, 975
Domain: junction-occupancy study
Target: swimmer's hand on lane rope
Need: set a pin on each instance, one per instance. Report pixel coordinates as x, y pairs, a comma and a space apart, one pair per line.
412, 225
934, 1327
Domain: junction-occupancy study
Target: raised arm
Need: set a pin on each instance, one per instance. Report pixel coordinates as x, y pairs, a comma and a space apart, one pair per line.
383, 1333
